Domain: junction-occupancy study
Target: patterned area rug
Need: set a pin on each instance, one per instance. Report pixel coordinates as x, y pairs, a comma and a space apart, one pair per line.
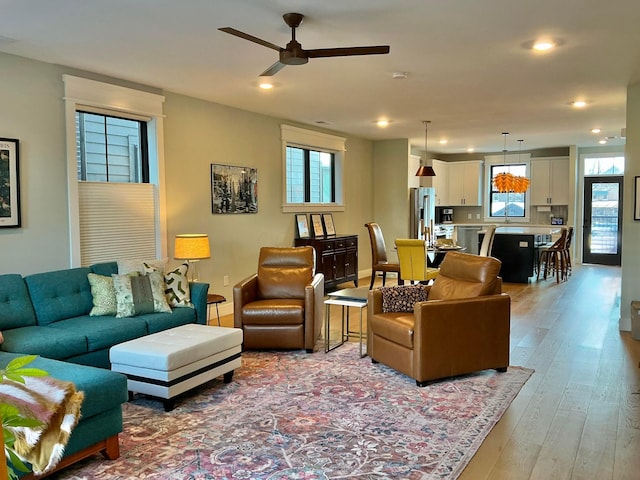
315, 416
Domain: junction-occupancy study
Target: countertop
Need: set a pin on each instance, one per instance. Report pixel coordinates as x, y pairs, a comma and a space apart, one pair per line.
532, 230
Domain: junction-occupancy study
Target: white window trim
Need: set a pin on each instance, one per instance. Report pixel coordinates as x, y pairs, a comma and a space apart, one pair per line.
509, 158
81, 93
300, 137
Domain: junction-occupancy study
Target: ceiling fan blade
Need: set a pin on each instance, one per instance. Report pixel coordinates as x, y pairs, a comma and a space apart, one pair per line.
273, 69
347, 51
251, 38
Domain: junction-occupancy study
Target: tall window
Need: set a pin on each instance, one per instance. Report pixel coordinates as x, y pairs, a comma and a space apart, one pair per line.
312, 170
111, 149
507, 204
310, 176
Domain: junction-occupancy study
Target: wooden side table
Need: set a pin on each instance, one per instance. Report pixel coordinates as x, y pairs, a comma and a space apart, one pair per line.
214, 299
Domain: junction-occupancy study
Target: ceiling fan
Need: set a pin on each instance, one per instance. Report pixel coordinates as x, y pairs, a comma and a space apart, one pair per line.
294, 54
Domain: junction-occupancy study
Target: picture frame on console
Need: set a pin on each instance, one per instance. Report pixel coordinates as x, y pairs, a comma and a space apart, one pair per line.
329, 228
302, 225
316, 225
9, 183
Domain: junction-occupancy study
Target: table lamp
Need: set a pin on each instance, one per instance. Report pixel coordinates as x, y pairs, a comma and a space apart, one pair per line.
192, 247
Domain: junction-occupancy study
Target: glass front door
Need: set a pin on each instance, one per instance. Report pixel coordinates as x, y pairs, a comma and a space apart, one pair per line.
602, 232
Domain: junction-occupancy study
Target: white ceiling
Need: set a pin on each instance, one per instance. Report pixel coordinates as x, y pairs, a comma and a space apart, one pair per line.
468, 71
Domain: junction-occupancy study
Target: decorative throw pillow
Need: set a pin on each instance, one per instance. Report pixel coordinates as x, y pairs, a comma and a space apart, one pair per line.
401, 298
177, 283
104, 295
136, 295
128, 266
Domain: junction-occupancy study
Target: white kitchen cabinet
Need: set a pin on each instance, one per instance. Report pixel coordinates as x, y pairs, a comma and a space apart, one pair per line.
465, 183
550, 181
441, 182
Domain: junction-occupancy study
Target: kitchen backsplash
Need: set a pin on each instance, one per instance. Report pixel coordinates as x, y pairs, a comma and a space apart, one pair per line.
461, 215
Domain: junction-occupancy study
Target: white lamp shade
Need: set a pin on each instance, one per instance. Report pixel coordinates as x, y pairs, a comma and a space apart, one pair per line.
192, 246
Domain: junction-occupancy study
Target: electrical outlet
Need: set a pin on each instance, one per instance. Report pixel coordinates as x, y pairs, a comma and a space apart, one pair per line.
225, 281
469, 216
477, 216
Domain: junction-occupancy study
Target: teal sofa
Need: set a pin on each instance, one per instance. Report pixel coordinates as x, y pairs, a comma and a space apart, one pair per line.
47, 314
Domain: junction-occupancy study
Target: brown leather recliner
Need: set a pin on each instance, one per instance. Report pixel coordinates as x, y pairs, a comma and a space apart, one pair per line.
280, 307
462, 327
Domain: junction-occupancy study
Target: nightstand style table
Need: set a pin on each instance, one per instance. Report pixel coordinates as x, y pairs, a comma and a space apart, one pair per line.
349, 297
214, 299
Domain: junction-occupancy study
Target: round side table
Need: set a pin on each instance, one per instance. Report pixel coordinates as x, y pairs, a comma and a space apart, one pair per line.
214, 299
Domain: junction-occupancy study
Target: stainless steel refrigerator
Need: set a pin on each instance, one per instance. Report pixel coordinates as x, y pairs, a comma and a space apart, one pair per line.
422, 211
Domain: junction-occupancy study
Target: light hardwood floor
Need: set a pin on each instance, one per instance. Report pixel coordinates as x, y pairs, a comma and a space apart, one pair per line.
578, 416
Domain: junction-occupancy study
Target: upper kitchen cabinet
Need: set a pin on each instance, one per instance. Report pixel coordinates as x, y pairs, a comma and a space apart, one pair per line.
440, 182
465, 183
550, 181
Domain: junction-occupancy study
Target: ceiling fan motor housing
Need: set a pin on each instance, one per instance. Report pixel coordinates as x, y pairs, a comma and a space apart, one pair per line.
293, 54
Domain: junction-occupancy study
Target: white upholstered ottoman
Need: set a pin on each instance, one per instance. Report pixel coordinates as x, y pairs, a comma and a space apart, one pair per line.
168, 363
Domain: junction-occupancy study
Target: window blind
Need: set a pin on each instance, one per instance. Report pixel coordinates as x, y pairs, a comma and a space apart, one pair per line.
117, 221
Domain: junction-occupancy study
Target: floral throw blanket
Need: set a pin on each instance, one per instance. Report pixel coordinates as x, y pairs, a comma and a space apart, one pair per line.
56, 405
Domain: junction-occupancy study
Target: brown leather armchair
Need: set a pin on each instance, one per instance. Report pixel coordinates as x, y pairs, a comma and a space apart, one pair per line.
462, 327
280, 307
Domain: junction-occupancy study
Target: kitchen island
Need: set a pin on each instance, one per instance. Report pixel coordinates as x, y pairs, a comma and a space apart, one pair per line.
517, 248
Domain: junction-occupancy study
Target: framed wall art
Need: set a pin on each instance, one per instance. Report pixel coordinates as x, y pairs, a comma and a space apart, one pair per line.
9, 183
234, 189
329, 229
636, 199
302, 225
316, 225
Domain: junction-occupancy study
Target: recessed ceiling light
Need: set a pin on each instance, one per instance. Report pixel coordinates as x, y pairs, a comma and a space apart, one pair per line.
602, 142
543, 45
443, 141
383, 123
471, 149
265, 83
399, 75
595, 130
579, 104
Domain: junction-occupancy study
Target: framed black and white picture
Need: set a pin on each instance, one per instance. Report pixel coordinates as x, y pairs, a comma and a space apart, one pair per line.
234, 189
9, 183
316, 225
302, 225
327, 220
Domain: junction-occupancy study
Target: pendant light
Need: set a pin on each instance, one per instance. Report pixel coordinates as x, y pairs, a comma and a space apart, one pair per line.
424, 170
507, 182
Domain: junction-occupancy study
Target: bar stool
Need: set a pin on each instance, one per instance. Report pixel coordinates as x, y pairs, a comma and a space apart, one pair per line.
553, 258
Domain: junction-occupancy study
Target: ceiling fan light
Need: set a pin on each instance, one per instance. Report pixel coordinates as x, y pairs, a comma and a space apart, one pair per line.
265, 83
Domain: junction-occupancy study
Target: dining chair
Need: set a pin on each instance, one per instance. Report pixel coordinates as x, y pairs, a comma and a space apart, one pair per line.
414, 264
487, 241
379, 262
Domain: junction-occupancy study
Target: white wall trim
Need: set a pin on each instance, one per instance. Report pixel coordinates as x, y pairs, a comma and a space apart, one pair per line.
80, 92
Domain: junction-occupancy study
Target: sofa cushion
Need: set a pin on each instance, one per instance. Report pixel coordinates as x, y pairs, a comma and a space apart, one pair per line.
45, 341
130, 266
104, 295
136, 295
60, 294
262, 312
103, 332
396, 327
103, 389
107, 268
157, 322
15, 305
177, 287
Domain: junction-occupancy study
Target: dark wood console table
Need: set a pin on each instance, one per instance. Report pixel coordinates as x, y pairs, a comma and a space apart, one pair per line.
336, 257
